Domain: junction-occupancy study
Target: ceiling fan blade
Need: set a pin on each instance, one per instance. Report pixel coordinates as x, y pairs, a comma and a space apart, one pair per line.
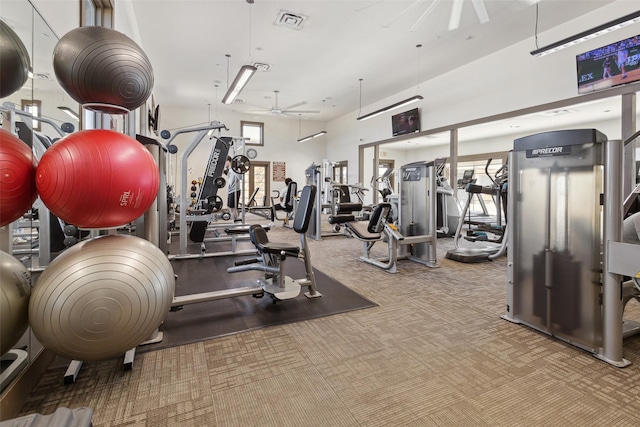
301, 111
402, 13
293, 106
481, 11
456, 14
265, 111
424, 16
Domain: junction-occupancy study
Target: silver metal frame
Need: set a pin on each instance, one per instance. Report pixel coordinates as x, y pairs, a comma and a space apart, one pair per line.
618, 259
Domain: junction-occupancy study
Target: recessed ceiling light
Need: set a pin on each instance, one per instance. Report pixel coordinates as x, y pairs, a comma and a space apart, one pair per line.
557, 112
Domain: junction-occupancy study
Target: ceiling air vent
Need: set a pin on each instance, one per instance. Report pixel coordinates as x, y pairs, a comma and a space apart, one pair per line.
261, 67
238, 101
295, 21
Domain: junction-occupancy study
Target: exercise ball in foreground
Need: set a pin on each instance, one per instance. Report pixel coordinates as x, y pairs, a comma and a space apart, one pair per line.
14, 63
17, 177
97, 179
101, 297
15, 288
101, 65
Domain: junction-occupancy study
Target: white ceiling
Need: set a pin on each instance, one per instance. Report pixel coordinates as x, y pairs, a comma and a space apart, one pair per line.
340, 43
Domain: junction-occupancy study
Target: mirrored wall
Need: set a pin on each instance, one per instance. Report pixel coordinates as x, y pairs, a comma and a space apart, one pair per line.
39, 113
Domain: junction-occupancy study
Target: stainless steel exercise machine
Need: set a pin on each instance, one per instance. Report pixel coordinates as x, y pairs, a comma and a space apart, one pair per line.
417, 212
415, 237
566, 261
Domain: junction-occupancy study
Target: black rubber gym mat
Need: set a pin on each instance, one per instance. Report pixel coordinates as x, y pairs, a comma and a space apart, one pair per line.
202, 321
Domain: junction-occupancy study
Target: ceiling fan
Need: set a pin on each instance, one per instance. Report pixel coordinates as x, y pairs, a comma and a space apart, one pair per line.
454, 16
277, 111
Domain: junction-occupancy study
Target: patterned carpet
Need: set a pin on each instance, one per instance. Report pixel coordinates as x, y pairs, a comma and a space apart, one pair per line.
434, 353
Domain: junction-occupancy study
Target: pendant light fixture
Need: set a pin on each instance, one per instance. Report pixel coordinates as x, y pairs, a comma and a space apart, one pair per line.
243, 76
585, 35
407, 101
315, 135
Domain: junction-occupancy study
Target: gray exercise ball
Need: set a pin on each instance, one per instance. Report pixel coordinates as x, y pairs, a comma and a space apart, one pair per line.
101, 65
14, 61
101, 297
15, 281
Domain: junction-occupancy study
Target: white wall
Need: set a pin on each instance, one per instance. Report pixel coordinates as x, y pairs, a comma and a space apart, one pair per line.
506, 81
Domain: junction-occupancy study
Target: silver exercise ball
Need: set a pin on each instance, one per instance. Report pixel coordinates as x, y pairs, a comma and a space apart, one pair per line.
102, 297
15, 281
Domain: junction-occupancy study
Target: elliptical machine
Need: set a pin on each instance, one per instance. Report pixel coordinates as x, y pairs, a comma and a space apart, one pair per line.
382, 185
481, 231
448, 211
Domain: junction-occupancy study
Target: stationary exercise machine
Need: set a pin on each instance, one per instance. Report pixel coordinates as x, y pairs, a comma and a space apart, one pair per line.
290, 201
271, 255
417, 213
483, 231
448, 211
566, 262
207, 200
415, 238
321, 177
271, 260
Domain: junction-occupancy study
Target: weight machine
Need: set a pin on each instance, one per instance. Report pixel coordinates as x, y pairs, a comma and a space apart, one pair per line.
320, 176
207, 203
566, 261
415, 237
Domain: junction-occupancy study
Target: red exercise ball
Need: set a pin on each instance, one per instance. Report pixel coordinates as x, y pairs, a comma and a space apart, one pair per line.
97, 179
17, 178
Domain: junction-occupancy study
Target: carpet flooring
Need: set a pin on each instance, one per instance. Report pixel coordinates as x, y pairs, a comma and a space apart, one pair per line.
434, 352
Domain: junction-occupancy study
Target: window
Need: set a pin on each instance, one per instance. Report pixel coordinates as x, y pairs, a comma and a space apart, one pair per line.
386, 167
254, 131
32, 107
340, 172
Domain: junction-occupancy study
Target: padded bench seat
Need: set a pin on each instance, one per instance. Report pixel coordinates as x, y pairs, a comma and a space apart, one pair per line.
261, 241
242, 229
361, 230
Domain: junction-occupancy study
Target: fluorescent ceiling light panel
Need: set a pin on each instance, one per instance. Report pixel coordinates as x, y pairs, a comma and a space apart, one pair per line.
315, 135
589, 34
391, 107
239, 83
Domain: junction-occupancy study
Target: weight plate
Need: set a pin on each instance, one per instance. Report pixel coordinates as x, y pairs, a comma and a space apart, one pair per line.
215, 205
220, 182
67, 127
240, 164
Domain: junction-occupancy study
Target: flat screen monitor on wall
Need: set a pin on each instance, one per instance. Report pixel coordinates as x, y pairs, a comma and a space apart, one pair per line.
608, 66
407, 122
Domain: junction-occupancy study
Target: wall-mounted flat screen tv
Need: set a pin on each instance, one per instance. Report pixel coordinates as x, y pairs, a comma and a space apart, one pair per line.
608, 66
407, 122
